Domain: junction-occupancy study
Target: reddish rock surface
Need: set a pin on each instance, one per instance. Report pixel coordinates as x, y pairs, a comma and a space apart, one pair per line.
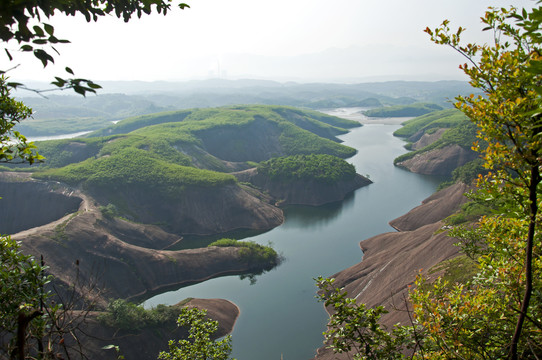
441, 161
392, 261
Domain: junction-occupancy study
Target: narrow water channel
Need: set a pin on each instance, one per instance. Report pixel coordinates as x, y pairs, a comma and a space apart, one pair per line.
279, 312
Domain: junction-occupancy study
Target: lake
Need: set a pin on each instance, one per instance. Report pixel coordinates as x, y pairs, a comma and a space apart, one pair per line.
279, 312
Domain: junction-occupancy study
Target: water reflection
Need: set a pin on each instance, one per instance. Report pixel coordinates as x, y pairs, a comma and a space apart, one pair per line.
301, 216
279, 314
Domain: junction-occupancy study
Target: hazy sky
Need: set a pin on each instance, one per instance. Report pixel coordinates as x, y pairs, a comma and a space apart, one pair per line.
301, 40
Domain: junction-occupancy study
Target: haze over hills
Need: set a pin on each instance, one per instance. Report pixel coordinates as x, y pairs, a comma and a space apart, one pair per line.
59, 114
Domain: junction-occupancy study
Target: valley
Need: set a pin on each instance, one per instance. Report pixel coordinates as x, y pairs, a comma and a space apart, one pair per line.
145, 196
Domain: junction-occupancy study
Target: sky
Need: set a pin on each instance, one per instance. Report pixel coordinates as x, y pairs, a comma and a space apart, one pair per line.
285, 40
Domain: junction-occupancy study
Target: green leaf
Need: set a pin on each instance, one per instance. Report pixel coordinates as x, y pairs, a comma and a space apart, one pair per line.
69, 70
93, 85
8, 54
43, 56
39, 31
49, 29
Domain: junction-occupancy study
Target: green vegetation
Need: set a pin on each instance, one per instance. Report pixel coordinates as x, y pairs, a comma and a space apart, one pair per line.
134, 167
190, 138
496, 313
13, 145
124, 315
250, 251
416, 109
199, 345
320, 168
51, 127
462, 134
470, 212
458, 270
298, 141
128, 125
109, 211
466, 173
435, 120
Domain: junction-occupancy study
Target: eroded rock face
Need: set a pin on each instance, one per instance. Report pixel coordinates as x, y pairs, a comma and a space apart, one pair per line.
427, 139
438, 206
199, 210
126, 259
146, 343
440, 161
120, 269
29, 203
303, 192
391, 261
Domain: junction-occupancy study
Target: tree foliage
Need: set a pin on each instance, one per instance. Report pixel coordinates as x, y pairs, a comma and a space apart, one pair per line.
320, 168
122, 314
199, 345
510, 123
36, 320
497, 314
251, 252
24, 22
355, 327
13, 145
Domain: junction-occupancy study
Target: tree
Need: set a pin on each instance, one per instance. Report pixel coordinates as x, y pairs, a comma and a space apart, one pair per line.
509, 120
25, 310
23, 22
13, 145
354, 327
498, 314
36, 319
199, 345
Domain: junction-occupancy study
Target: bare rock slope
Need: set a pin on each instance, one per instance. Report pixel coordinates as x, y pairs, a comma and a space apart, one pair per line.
440, 161
124, 259
302, 192
155, 339
391, 261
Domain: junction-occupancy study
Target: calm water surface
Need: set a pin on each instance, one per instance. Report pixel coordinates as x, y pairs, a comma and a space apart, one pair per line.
279, 312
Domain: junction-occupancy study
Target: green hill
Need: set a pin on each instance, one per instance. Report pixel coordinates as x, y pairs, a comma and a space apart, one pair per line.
416, 109
220, 139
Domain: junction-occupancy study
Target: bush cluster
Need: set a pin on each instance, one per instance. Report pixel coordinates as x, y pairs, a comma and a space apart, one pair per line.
320, 168
250, 251
122, 314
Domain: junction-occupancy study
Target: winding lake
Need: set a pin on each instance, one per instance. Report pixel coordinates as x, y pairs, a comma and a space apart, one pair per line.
279, 312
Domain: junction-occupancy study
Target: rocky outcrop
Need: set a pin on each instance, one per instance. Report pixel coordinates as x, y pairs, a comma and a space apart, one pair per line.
123, 259
425, 139
433, 209
26, 203
118, 268
440, 161
392, 261
146, 343
312, 193
199, 211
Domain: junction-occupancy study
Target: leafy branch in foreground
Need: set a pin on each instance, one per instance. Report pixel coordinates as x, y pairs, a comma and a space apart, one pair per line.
355, 327
497, 314
23, 22
13, 145
199, 345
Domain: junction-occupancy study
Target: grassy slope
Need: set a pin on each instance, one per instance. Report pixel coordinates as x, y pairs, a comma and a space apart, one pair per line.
438, 119
416, 109
136, 167
320, 168
151, 150
460, 131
